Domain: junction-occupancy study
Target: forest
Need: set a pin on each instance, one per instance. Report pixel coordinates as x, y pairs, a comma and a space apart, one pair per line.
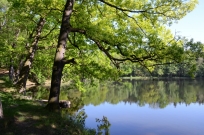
85, 41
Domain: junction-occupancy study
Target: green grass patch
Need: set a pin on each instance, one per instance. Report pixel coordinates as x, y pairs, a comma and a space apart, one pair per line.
28, 117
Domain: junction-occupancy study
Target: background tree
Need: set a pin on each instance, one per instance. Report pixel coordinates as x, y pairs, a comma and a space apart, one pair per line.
32, 38
1, 110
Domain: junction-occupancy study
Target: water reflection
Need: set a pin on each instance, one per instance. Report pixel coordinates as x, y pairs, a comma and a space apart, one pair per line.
177, 107
158, 94
132, 119
140, 107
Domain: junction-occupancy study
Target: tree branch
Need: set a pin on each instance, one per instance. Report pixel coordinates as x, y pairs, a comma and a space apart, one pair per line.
124, 57
73, 43
121, 9
138, 11
68, 61
45, 36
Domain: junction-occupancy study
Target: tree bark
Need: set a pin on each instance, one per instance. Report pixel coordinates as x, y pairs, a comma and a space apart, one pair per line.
23, 76
59, 60
1, 110
11, 68
17, 72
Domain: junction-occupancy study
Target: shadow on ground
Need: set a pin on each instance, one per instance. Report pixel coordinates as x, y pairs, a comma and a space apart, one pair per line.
24, 117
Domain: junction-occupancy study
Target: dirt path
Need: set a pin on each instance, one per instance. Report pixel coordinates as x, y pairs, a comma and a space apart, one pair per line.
3, 72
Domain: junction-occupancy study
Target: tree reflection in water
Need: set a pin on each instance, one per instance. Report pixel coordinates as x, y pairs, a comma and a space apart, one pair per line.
158, 94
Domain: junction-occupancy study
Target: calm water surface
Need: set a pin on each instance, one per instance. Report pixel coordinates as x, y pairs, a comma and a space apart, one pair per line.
150, 108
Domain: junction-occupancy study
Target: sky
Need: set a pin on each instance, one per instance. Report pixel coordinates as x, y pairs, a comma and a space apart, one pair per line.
192, 25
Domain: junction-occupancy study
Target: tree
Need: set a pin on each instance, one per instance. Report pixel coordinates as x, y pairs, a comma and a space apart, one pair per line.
1, 110
123, 30
193, 58
29, 59
60, 61
3, 8
3, 21
32, 37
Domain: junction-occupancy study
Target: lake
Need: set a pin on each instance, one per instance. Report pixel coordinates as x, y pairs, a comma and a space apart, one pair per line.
142, 107
148, 107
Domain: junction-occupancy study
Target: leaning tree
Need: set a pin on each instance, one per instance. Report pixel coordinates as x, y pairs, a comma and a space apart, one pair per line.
124, 31
29, 26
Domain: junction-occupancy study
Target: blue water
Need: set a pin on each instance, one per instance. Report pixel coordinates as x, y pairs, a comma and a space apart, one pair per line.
131, 119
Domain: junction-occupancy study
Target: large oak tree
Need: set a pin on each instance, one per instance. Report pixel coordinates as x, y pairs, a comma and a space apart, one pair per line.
124, 31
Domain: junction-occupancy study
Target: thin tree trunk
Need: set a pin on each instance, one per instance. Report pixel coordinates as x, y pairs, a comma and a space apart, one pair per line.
23, 76
11, 68
1, 110
17, 72
60, 61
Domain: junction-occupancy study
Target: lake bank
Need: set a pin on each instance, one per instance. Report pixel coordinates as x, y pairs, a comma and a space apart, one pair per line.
23, 116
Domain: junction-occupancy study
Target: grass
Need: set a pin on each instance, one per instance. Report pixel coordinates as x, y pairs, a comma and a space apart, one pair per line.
23, 116
28, 117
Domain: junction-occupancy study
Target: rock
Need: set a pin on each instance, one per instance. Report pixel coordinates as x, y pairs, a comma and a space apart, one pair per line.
65, 104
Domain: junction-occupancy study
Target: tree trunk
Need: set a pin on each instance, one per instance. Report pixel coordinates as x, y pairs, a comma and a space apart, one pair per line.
1, 110
60, 61
23, 76
11, 68
17, 72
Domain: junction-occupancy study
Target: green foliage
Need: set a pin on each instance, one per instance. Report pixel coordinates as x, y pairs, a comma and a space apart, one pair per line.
104, 126
38, 76
7, 81
77, 125
127, 31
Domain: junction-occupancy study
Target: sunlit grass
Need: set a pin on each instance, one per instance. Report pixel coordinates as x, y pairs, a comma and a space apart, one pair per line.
21, 118
36, 117
27, 117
